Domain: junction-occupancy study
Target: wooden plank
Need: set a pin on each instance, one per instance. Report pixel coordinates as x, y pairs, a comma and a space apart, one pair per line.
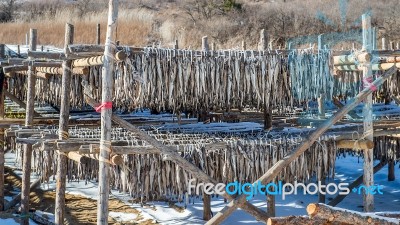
276, 169
27, 157
63, 128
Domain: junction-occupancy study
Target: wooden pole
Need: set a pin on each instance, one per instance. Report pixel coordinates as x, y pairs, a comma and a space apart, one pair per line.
98, 34
262, 44
204, 44
374, 38
321, 114
63, 128
368, 199
26, 169
206, 207
277, 168
271, 209
27, 39
391, 173
18, 50
176, 46
2, 51
206, 197
106, 113
321, 99
384, 44
243, 45
2, 140
355, 184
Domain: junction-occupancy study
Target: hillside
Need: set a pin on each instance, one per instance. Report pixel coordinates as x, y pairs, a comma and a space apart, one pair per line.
225, 22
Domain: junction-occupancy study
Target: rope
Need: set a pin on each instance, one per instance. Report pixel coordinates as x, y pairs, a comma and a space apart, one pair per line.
104, 105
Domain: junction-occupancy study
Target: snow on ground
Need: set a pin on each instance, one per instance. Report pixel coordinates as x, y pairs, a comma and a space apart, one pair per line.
347, 170
11, 221
24, 48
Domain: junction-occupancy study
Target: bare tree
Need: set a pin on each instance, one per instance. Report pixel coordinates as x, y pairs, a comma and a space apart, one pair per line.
7, 10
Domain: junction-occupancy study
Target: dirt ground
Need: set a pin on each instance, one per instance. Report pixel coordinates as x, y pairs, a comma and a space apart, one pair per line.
80, 210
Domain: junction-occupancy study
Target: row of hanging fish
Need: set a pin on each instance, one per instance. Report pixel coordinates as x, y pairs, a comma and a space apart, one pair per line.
182, 80
150, 177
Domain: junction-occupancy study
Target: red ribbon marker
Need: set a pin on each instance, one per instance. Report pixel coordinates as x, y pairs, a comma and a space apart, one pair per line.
368, 84
104, 105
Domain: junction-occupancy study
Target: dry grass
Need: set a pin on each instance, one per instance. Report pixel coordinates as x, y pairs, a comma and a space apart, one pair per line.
134, 28
147, 22
79, 209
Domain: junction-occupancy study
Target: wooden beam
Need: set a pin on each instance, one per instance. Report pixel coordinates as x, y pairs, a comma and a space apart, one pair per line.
351, 59
358, 144
338, 216
47, 64
27, 157
15, 61
374, 67
288, 220
122, 150
9, 69
86, 48
58, 70
47, 55
277, 168
77, 157
91, 61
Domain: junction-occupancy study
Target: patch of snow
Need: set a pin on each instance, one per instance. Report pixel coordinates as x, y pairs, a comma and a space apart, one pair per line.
122, 217
11, 221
